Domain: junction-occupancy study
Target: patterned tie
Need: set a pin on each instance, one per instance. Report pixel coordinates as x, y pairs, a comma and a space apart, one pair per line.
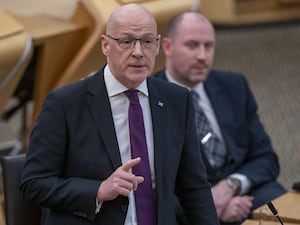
214, 148
144, 196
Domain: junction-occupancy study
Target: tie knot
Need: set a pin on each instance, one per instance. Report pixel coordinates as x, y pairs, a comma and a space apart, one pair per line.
132, 95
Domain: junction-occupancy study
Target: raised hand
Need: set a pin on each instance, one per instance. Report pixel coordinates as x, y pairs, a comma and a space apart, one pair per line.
121, 182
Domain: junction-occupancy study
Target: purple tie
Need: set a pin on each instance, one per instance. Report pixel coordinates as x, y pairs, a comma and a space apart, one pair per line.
144, 196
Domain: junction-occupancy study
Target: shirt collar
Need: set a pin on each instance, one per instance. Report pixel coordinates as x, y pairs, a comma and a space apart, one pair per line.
199, 88
114, 87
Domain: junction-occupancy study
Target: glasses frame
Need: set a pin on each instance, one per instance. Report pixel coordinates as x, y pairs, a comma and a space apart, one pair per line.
134, 42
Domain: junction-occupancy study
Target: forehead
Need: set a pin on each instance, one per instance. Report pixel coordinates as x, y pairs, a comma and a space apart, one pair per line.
195, 28
135, 28
134, 23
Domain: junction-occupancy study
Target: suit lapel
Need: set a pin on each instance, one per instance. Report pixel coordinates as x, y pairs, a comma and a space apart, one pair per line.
98, 102
158, 106
221, 106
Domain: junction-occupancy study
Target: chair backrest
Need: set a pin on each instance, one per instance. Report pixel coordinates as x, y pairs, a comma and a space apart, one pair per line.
15, 53
17, 211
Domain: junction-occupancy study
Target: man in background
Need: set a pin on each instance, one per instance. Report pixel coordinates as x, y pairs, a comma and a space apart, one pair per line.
241, 164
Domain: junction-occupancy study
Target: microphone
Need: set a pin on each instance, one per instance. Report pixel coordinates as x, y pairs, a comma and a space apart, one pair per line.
274, 211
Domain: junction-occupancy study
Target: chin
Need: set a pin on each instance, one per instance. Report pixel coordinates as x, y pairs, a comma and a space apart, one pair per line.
137, 77
198, 79
140, 72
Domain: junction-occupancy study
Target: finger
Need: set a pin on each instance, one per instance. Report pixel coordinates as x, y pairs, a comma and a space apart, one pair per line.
124, 191
124, 186
247, 202
244, 208
138, 180
130, 163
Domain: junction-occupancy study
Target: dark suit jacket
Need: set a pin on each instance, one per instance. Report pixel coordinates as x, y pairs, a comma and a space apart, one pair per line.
249, 147
73, 148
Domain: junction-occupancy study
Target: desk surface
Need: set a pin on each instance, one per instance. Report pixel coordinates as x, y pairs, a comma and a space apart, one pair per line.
287, 205
257, 222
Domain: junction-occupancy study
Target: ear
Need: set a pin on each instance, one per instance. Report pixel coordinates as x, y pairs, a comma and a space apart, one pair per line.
166, 45
104, 45
157, 48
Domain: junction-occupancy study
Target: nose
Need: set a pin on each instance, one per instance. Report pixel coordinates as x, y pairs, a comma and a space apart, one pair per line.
137, 49
201, 53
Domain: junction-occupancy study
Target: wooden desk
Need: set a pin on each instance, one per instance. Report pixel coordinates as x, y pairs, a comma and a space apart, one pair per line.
287, 205
257, 222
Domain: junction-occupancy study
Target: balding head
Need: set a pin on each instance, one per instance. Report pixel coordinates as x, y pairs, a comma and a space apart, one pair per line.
181, 20
130, 14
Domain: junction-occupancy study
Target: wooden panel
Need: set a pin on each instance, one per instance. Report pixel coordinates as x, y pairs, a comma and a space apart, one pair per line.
288, 2
2, 213
41, 27
254, 6
241, 12
133, 1
9, 25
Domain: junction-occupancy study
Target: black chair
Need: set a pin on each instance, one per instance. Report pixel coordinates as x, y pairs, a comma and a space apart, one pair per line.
16, 51
17, 211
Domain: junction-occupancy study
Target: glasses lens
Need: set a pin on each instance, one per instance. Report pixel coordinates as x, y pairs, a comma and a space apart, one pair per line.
126, 42
148, 41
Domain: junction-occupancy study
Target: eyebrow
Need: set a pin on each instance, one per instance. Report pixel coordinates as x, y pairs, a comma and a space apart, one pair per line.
130, 34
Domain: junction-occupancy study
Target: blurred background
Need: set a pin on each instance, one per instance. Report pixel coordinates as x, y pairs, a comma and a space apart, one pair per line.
47, 44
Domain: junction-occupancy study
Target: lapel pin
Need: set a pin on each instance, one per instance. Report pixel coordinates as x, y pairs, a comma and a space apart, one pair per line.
161, 104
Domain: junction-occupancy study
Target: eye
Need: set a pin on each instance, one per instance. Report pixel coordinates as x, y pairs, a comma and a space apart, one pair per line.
126, 40
192, 45
209, 46
148, 40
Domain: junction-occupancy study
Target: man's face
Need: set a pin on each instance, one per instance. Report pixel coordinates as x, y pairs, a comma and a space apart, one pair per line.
132, 65
190, 52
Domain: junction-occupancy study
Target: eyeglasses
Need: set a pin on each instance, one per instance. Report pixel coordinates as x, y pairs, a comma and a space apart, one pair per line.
127, 42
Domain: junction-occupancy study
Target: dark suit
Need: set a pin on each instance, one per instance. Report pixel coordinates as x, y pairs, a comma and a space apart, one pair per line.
73, 148
249, 147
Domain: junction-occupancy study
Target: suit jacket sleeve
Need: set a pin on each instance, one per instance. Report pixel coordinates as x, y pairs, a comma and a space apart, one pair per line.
44, 178
261, 163
249, 145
